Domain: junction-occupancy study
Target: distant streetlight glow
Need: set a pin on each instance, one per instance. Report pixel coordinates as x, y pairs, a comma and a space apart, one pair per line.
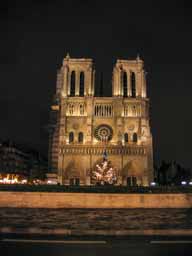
51, 182
183, 182
153, 183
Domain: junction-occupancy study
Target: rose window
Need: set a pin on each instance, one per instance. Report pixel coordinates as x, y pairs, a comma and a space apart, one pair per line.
103, 132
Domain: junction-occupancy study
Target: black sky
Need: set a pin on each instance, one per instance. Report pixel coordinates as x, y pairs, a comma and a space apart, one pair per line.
36, 35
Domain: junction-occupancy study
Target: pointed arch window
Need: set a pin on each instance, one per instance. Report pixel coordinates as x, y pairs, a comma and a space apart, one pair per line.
124, 83
71, 137
81, 85
126, 138
72, 87
133, 85
135, 137
80, 137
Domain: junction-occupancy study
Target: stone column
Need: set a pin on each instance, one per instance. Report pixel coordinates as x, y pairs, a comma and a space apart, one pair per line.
60, 167
88, 181
89, 82
139, 74
145, 181
129, 83
144, 93
65, 81
120, 86
62, 122
119, 180
138, 83
90, 112
124, 181
93, 83
68, 82
115, 82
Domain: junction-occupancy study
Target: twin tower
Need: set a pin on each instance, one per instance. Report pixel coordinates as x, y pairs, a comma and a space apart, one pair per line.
76, 78
84, 127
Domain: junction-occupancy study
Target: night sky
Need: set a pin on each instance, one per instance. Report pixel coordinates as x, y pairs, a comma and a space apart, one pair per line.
36, 35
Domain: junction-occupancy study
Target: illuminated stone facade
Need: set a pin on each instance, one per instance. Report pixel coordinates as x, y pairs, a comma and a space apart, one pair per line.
85, 127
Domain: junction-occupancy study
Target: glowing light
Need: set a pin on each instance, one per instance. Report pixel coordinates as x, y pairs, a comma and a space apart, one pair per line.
153, 183
52, 182
190, 183
183, 182
55, 107
12, 179
104, 173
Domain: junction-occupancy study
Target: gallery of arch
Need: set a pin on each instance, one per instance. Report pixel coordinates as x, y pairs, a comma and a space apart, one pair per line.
101, 139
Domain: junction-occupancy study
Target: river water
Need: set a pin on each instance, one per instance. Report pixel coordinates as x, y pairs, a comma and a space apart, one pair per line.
95, 219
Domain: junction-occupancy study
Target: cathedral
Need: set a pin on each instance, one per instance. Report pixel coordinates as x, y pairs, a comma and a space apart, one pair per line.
87, 131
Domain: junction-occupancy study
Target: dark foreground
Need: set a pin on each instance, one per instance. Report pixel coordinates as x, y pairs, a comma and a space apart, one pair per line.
125, 220
96, 189
51, 246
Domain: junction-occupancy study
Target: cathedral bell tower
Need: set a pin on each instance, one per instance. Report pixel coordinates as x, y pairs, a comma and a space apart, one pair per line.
77, 77
129, 79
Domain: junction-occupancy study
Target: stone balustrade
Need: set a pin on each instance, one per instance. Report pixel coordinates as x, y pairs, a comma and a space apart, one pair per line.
99, 150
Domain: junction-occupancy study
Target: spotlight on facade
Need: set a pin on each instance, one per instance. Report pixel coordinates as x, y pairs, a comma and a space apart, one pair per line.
153, 183
183, 183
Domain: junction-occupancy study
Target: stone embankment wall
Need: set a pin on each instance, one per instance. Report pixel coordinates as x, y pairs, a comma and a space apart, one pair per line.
91, 200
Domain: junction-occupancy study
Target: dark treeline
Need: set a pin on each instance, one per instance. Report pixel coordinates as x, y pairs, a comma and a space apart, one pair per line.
172, 173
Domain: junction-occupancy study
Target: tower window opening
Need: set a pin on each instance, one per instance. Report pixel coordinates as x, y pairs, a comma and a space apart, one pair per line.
81, 86
124, 83
133, 85
72, 88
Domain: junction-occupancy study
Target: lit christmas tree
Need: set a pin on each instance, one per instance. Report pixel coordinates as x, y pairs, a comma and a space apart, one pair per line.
104, 172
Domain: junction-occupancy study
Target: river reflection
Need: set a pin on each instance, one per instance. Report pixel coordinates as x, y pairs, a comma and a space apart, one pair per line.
94, 219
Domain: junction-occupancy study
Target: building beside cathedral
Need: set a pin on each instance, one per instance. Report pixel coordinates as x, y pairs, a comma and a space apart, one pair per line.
84, 127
